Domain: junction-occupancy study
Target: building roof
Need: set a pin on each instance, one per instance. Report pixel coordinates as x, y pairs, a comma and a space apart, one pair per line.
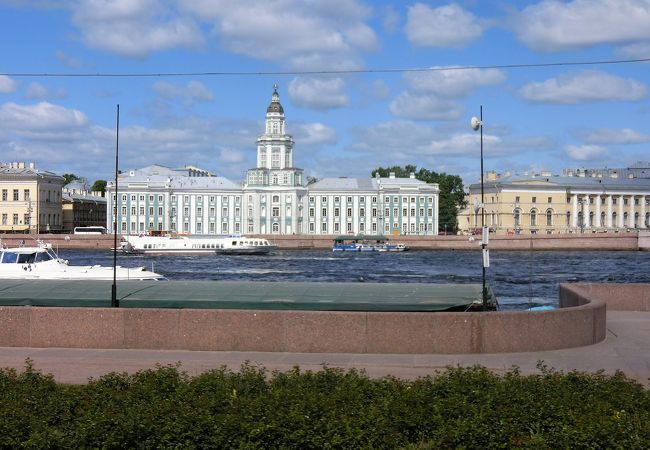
537, 182
344, 184
21, 171
67, 197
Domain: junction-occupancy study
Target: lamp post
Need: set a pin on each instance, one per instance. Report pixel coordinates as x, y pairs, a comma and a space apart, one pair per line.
477, 124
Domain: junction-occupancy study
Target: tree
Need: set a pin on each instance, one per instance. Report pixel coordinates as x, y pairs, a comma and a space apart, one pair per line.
69, 178
99, 185
452, 193
311, 180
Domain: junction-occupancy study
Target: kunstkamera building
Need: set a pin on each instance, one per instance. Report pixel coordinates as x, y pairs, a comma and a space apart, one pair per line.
273, 199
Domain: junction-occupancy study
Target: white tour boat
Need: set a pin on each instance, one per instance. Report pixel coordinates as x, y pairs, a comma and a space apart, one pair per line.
40, 262
229, 245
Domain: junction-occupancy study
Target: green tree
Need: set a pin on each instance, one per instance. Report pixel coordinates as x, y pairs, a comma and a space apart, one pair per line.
99, 185
69, 178
311, 180
452, 193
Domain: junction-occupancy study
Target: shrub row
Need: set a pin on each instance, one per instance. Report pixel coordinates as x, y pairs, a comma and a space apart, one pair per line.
330, 408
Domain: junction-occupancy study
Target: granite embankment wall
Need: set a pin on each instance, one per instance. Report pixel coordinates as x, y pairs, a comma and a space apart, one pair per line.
581, 321
591, 241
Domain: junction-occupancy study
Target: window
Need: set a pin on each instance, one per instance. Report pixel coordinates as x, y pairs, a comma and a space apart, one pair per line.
160, 198
150, 210
186, 199
324, 212
142, 210
412, 199
124, 210
517, 217
4, 219
533, 218
362, 200
323, 227
412, 212
395, 212
349, 199
429, 212
26, 195
133, 210
549, 217
374, 199
404, 212
349, 228
349, 212
336, 212
550, 199
237, 212
336, 199
323, 199
276, 199
16, 195
374, 212
386, 212
421, 212
224, 212
160, 210
312, 199
312, 212
534, 199
311, 227
276, 211
517, 199
150, 198
142, 198
336, 227
362, 212
213, 211
4, 195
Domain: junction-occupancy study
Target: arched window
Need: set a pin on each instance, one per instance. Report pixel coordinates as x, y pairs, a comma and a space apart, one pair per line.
602, 219
549, 217
636, 220
568, 218
591, 218
276, 228
614, 221
517, 217
276, 199
533, 217
625, 222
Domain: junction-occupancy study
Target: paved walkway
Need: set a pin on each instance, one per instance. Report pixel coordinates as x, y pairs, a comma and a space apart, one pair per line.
626, 348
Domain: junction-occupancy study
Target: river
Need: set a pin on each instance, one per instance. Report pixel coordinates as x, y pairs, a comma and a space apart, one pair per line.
519, 279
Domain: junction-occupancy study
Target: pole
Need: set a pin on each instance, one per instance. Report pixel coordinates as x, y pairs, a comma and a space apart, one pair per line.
483, 244
115, 303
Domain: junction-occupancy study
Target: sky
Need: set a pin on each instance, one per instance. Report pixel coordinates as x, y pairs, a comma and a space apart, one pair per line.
362, 113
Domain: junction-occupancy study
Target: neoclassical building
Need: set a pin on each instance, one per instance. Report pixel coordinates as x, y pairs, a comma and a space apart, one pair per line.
577, 201
31, 199
274, 198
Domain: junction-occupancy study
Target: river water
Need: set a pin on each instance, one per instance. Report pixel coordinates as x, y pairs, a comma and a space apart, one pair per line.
519, 279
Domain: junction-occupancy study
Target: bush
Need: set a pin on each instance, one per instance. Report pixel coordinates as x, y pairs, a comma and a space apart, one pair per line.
331, 408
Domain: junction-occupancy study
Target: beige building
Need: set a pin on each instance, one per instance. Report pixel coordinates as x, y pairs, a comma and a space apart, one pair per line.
82, 207
31, 199
578, 201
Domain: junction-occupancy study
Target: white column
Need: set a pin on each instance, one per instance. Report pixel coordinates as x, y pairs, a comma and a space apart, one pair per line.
585, 212
610, 211
574, 211
642, 214
620, 221
597, 223
630, 217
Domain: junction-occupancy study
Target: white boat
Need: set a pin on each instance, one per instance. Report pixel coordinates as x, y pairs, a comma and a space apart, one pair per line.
229, 245
40, 262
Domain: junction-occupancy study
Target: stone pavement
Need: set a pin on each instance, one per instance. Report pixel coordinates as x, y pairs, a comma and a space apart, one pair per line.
626, 348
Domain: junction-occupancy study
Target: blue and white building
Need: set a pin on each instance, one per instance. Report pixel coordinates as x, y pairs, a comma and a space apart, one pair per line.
273, 199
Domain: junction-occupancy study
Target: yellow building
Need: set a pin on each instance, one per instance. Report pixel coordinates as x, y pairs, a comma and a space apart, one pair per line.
31, 199
577, 201
82, 207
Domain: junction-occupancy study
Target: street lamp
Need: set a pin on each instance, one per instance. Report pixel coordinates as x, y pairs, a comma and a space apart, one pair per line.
477, 124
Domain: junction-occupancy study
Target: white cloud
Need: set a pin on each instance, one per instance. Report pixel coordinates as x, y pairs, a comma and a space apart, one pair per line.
465, 144
452, 83
318, 93
391, 18
424, 107
639, 50
585, 152
313, 134
556, 26
228, 155
191, 93
134, 29
312, 35
7, 85
614, 136
68, 60
445, 26
586, 86
36, 91
42, 116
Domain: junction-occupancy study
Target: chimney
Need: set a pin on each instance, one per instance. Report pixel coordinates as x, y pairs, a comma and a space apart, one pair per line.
391, 175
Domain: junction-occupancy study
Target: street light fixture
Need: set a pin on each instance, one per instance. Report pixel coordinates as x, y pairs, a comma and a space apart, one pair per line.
477, 124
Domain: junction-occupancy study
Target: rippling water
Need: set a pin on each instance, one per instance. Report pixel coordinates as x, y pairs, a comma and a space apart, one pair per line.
519, 279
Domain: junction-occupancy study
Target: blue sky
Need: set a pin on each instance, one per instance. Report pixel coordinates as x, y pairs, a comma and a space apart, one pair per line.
344, 124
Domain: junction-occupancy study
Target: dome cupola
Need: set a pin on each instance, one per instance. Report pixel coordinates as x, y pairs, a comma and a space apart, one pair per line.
275, 106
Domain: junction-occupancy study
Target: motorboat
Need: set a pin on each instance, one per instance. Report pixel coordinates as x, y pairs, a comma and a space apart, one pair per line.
362, 243
40, 262
182, 244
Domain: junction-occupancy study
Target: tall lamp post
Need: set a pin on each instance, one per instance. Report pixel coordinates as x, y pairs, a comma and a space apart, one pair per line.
477, 124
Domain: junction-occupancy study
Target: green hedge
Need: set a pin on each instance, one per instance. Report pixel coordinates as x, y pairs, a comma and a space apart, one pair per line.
331, 408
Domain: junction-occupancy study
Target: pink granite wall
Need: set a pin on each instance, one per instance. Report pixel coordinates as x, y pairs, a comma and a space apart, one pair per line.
581, 321
601, 241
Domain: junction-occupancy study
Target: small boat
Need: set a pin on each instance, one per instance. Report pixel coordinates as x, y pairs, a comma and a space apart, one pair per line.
179, 244
362, 243
40, 262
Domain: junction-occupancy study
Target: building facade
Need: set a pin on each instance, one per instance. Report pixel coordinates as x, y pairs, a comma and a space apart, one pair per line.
273, 198
82, 207
31, 199
578, 201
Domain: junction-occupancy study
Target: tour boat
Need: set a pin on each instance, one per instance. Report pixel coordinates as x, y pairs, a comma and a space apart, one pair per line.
228, 245
40, 262
361, 243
